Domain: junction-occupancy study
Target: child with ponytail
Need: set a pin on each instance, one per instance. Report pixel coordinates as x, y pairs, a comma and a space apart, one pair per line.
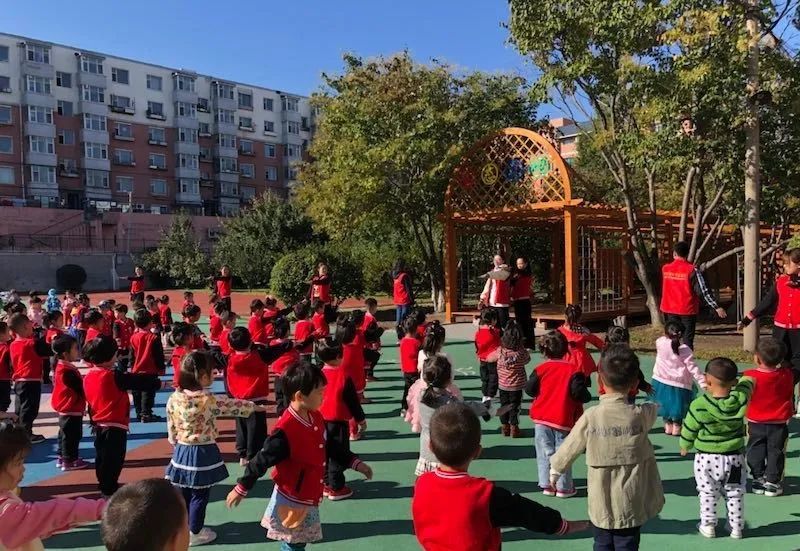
578, 337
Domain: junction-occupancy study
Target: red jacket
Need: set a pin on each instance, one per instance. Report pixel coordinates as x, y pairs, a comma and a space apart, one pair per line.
108, 323
137, 284
92, 334
353, 361
284, 360
369, 319
109, 404
52, 333
400, 295
223, 286
248, 376
321, 328
409, 350
578, 354
123, 330
554, 406
142, 347
214, 328
487, 340
773, 396
333, 406
303, 329
64, 400
165, 313
257, 328
521, 288
677, 296
26, 362
5, 362
321, 288
177, 357
224, 344
467, 525
787, 309
300, 476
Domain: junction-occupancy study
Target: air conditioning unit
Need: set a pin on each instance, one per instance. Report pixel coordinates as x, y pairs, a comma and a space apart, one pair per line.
138, 207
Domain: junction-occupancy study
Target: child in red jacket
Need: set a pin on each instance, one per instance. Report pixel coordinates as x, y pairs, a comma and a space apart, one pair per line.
147, 357
487, 341
578, 336
5, 368
122, 331
372, 335
26, 360
182, 340
256, 324
69, 401
165, 314
409, 352
94, 321
280, 334
304, 330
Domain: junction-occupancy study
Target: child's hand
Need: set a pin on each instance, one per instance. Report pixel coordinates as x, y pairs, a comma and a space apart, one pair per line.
363, 468
554, 478
578, 526
683, 452
234, 499
362, 427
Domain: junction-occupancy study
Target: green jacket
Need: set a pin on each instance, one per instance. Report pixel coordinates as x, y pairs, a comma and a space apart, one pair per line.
716, 425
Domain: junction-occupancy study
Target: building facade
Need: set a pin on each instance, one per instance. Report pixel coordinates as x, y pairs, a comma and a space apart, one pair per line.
83, 129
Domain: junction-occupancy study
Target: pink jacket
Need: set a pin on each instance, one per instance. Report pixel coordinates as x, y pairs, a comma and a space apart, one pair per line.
415, 395
678, 370
22, 524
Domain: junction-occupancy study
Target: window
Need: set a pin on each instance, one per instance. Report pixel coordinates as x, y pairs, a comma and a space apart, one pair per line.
157, 135
204, 129
124, 157
289, 104
66, 137
5, 84
120, 76
40, 85
187, 161
95, 150
269, 150
5, 114
226, 140
183, 82
6, 145
68, 166
6, 175
159, 209
97, 178
158, 160
224, 90
121, 102
245, 122
96, 94
3, 53
293, 151
125, 184
269, 126
246, 147
205, 154
123, 130
158, 187
155, 109
227, 164
189, 186
225, 115
293, 127
154, 82
202, 105
245, 101
38, 53
183, 109
64, 108
246, 170
304, 123
269, 104
187, 135
291, 173
227, 188
272, 174
64, 80
90, 64
94, 122
40, 144
43, 174
42, 115
248, 193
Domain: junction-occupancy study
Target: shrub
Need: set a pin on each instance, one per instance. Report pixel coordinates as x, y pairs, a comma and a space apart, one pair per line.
70, 276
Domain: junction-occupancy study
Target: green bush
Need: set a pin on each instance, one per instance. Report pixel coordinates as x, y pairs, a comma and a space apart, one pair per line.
292, 273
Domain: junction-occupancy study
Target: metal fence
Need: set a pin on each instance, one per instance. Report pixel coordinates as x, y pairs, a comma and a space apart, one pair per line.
73, 243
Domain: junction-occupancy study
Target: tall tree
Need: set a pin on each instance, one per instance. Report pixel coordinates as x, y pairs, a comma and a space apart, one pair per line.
179, 256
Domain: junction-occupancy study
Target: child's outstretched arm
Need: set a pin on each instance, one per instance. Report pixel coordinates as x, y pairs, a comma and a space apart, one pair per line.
579, 388
275, 450
687, 357
343, 456
595, 341
573, 446
138, 381
233, 407
508, 510
22, 522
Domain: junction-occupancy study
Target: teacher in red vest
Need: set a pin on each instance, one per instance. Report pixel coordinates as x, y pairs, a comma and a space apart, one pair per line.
681, 289
402, 293
497, 291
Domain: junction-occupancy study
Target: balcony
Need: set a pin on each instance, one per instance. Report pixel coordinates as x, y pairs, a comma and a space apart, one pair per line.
90, 79
188, 173
94, 136
228, 176
161, 143
68, 171
39, 100
224, 151
186, 96
92, 107
186, 122
40, 129
226, 127
125, 162
37, 69
247, 127
188, 148
156, 115
95, 164
224, 103
123, 109
44, 159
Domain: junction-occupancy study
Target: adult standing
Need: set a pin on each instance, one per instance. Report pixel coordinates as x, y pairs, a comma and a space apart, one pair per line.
402, 294
321, 290
137, 285
521, 290
497, 291
222, 285
681, 289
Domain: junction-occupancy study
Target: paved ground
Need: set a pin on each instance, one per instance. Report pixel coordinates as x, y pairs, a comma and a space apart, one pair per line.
378, 517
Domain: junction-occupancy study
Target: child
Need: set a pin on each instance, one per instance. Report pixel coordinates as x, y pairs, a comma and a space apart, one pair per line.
213, 300
487, 341
674, 374
106, 392
280, 333
106, 308
165, 314
409, 353
304, 330
715, 428
147, 357
69, 401
181, 340
122, 331
297, 450
191, 315
6, 370
36, 311
476, 509
52, 304
512, 356
768, 414
228, 320
372, 334
151, 304
215, 325
578, 337
619, 335
196, 463
624, 486
148, 514
319, 321
54, 325
339, 405
272, 312
26, 360
93, 321
77, 324
559, 390
420, 316
353, 345
188, 299
256, 325
432, 344
21, 523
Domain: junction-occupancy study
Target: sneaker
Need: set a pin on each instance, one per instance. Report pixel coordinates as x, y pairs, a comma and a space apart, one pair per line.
549, 491
402, 413
326, 491
676, 429
707, 531
337, 495
356, 436
76, 465
505, 430
772, 490
365, 400
59, 462
735, 534
566, 493
243, 462
515, 432
204, 536
758, 487
667, 427
371, 378
37, 438
153, 419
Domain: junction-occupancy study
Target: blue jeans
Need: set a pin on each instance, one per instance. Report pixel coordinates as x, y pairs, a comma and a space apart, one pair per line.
547, 440
402, 311
285, 546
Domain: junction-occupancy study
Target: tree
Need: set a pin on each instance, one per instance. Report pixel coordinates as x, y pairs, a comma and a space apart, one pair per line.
179, 255
389, 133
258, 236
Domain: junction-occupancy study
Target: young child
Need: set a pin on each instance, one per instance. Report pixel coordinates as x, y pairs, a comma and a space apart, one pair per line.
512, 357
228, 320
106, 308
768, 415
422, 324
432, 344
215, 325
106, 392
147, 357
191, 315
339, 405
147, 514
6, 371
122, 331
476, 509
93, 321
487, 341
372, 334
22, 524
26, 360
280, 333
624, 486
352, 340
52, 304
321, 326
54, 327
715, 427
256, 324
69, 401
36, 311
304, 330
197, 464
559, 389
619, 335
188, 298
181, 338
165, 314
409, 353
297, 450
152, 306
77, 323
674, 375
578, 337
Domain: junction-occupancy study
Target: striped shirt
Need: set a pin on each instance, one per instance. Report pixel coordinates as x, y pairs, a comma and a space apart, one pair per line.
717, 425
511, 368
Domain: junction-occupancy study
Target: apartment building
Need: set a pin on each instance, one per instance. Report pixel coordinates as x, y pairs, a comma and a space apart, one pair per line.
80, 128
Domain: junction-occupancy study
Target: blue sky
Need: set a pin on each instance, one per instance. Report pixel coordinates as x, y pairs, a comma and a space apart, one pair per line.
283, 45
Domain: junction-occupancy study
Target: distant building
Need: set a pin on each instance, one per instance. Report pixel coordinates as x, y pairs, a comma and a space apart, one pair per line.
567, 135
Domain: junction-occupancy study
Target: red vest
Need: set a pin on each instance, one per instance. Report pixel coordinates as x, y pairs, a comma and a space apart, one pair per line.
521, 289
108, 322
787, 314
451, 513
409, 351
5, 362
333, 407
166, 314
677, 296
142, 346
487, 340
125, 330
577, 353
177, 357
248, 376
92, 334
353, 361
284, 360
26, 362
369, 319
224, 287
110, 405
257, 328
224, 344
320, 325
773, 396
51, 334
64, 400
302, 330
499, 292
214, 328
554, 406
399, 292
137, 285
322, 291
300, 475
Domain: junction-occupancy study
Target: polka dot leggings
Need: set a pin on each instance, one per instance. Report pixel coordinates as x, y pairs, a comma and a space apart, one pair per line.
720, 475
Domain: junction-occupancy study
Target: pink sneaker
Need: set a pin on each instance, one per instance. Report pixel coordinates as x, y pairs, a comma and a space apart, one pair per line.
667, 427
566, 493
676, 429
76, 465
549, 491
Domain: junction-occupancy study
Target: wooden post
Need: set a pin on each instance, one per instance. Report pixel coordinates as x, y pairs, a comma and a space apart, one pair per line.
451, 271
571, 266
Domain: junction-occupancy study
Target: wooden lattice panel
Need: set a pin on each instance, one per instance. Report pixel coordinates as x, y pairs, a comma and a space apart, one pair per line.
513, 169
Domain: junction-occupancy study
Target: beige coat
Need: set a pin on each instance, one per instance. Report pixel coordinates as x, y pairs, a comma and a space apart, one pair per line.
624, 486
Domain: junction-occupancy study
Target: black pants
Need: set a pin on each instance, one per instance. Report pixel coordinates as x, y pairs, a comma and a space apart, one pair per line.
625, 539
137, 297
143, 401
339, 432
110, 445
371, 359
766, 451
29, 394
5, 395
489, 379
123, 363
689, 326
513, 397
48, 366
251, 433
196, 503
409, 379
70, 431
791, 338
227, 302
502, 316
280, 398
522, 313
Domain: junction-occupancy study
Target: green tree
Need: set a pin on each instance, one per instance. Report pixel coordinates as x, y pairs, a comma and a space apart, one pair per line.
179, 256
389, 133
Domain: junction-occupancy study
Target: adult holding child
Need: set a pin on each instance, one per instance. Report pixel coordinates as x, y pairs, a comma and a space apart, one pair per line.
497, 290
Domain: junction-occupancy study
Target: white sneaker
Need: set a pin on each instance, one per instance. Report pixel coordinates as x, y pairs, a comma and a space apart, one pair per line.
735, 534
243, 462
707, 531
204, 536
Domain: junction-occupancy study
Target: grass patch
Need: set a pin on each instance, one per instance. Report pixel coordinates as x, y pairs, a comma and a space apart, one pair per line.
643, 339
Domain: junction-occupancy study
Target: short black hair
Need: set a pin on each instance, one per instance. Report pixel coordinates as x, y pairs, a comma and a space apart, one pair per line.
14, 442
194, 365
681, 249
35, 299
345, 329
723, 369
180, 331
410, 326
187, 294
420, 314
239, 338
227, 315
301, 310
220, 307
270, 301
329, 350
617, 334
256, 304
17, 322
357, 316
143, 515
620, 366
92, 316
553, 345
302, 377
142, 318
455, 434
191, 310
512, 336
50, 317
280, 327
123, 308
62, 344
164, 299
771, 351
370, 302
488, 316
99, 350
